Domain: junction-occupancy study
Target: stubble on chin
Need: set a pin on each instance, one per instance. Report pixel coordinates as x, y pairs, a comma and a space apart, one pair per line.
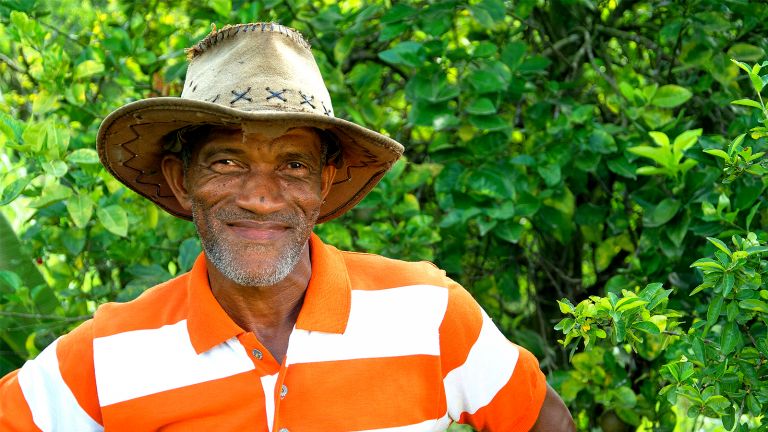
228, 256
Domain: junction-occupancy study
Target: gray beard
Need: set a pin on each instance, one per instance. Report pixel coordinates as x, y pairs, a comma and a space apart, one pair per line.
223, 256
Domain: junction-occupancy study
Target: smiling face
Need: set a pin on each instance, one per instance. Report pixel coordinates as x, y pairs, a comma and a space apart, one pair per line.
254, 198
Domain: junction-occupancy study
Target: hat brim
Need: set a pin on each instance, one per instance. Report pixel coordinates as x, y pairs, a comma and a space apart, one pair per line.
131, 143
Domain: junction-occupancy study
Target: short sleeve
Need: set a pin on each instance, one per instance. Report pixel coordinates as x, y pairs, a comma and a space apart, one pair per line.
55, 391
490, 383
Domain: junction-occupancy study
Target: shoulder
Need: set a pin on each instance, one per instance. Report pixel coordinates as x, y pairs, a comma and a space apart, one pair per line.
160, 305
378, 272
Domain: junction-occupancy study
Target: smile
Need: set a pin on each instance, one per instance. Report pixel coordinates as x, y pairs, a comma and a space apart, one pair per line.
258, 230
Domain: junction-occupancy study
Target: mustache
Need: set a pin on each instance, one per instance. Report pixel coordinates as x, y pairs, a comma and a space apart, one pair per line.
227, 215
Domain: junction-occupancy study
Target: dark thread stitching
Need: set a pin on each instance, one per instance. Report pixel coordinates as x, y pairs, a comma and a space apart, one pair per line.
307, 99
218, 35
277, 94
326, 111
239, 96
214, 99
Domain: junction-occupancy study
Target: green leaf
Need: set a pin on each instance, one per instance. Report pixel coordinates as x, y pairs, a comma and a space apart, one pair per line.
660, 155
406, 53
566, 306
222, 7
487, 81
717, 403
720, 245
754, 305
84, 156
727, 283
662, 213
745, 52
80, 208
188, 252
747, 102
660, 138
647, 326
434, 89
743, 66
708, 263
51, 194
757, 82
114, 219
629, 303
729, 338
686, 140
509, 231
670, 96
481, 106
713, 310
622, 167
14, 189
398, 12
88, 68
44, 102
718, 153
489, 122
55, 168
550, 173
625, 397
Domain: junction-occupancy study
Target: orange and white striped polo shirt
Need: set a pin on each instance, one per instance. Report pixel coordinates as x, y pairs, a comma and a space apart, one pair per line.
379, 345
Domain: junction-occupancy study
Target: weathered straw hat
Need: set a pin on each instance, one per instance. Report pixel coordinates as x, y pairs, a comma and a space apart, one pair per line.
254, 73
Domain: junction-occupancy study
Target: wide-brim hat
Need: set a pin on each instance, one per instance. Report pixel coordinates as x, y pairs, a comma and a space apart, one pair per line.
246, 73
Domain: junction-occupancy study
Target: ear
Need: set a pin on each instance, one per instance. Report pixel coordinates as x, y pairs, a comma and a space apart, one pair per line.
173, 170
326, 179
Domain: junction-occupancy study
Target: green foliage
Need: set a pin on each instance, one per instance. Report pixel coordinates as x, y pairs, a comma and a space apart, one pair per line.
555, 150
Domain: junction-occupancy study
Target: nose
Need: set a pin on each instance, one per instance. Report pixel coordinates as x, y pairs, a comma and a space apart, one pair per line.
261, 192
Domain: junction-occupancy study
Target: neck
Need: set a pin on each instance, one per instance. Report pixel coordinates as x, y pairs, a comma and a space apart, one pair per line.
269, 312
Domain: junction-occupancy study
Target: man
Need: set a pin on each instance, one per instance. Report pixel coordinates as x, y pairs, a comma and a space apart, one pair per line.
272, 330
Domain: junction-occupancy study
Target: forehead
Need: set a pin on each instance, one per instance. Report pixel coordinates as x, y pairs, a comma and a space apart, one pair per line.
297, 139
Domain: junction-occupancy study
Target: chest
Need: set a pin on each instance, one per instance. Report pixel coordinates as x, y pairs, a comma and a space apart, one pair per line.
371, 377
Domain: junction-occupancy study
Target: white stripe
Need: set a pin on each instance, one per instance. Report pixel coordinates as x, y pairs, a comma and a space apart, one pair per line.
268, 384
143, 362
385, 323
488, 368
53, 406
437, 425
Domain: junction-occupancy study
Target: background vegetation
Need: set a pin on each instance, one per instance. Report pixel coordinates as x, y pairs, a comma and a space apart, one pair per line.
583, 150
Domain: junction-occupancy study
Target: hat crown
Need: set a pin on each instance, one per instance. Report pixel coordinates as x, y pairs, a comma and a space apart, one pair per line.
257, 67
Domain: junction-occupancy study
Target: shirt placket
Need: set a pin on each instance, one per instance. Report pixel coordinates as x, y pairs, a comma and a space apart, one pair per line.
266, 367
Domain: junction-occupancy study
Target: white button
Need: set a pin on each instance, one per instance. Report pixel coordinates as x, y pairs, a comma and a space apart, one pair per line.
283, 391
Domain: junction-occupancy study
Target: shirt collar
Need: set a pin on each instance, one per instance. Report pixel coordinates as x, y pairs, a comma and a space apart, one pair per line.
326, 306
329, 295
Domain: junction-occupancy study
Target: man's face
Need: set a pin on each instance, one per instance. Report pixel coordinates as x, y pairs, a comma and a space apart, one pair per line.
255, 198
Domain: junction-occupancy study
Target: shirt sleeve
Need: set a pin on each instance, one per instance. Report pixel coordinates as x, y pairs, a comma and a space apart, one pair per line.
490, 383
54, 392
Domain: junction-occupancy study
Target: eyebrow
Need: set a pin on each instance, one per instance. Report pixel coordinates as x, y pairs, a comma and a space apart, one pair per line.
302, 156
211, 150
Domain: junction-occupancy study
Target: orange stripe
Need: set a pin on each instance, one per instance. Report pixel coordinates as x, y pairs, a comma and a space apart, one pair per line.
361, 394
374, 272
460, 328
14, 411
232, 403
523, 396
148, 311
75, 354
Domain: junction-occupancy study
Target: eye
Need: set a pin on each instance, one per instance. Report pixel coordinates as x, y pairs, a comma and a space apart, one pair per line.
296, 165
225, 165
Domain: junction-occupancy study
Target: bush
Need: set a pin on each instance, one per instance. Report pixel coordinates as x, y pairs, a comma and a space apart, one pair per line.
588, 151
